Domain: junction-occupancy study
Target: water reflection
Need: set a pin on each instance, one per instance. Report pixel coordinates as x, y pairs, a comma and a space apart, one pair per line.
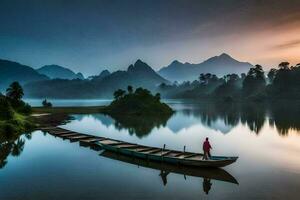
224, 116
164, 169
140, 126
11, 145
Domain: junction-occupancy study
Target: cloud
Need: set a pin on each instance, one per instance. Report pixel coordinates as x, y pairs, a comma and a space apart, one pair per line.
287, 44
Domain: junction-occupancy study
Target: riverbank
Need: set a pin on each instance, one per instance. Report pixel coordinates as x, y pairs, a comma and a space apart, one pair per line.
68, 110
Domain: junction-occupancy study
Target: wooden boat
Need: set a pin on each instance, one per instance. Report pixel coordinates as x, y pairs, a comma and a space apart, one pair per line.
207, 173
141, 151
165, 155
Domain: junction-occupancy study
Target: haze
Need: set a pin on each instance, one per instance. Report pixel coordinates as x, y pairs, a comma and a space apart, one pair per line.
89, 36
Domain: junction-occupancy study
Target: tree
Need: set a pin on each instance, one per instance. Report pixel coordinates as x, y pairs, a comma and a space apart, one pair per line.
15, 92
6, 111
157, 96
271, 75
129, 89
119, 93
284, 65
254, 81
47, 104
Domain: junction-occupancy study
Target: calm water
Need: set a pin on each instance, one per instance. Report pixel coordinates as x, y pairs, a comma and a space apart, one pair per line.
266, 139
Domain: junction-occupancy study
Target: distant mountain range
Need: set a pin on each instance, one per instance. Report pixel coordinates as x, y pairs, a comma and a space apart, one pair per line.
137, 75
60, 82
218, 65
56, 71
13, 71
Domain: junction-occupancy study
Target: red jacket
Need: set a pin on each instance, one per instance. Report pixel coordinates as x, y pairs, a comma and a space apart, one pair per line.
206, 146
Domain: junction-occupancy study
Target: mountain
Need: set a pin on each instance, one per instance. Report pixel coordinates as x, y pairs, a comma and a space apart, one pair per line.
137, 75
56, 71
102, 75
13, 71
218, 65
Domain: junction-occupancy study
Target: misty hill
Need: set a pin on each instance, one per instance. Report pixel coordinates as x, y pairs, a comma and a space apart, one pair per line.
102, 75
13, 71
56, 71
138, 75
218, 65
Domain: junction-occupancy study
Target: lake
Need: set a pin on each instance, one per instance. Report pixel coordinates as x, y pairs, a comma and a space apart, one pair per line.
265, 137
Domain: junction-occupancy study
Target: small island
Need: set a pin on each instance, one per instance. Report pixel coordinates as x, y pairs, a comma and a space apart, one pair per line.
137, 103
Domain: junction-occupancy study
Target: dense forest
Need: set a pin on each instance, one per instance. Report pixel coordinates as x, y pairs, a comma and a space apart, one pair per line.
279, 83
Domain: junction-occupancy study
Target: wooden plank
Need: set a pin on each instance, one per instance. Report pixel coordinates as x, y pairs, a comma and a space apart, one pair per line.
77, 138
152, 151
61, 133
109, 142
47, 128
91, 140
145, 149
120, 143
192, 155
127, 146
165, 153
67, 135
180, 155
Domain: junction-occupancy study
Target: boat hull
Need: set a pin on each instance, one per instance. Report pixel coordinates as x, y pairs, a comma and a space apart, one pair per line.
214, 161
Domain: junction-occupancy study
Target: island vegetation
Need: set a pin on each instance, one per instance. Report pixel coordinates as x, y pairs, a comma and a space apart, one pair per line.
137, 103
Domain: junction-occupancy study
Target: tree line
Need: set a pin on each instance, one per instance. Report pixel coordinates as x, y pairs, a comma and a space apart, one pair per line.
282, 82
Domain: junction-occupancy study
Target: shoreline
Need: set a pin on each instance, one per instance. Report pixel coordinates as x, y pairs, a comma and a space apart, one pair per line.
68, 110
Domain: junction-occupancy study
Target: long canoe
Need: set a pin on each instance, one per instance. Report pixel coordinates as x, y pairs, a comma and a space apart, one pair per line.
165, 155
208, 173
141, 151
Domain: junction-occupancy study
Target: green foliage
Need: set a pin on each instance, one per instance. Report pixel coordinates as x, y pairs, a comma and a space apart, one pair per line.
6, 111
140, 102
283, 83
254, 82
14, 112
119, 93
15, 92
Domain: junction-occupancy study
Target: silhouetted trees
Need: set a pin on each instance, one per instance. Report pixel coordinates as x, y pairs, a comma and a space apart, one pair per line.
119, 93
254, 82
15, 92
46, 104
279, 83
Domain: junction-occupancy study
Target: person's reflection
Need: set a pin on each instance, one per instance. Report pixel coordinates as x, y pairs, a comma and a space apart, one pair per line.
206, 185
164, 175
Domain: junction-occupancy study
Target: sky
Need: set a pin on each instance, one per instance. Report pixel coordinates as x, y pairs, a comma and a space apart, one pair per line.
92, 35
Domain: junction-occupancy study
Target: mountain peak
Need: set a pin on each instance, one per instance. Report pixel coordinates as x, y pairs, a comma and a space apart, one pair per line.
219, 65
139, 66
139, 62
225, 55
104, 73
176, 62
56, 71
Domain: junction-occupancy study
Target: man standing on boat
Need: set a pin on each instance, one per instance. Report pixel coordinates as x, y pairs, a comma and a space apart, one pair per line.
206, 149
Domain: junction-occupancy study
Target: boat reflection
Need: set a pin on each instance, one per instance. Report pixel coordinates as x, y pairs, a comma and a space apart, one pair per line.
165, 169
